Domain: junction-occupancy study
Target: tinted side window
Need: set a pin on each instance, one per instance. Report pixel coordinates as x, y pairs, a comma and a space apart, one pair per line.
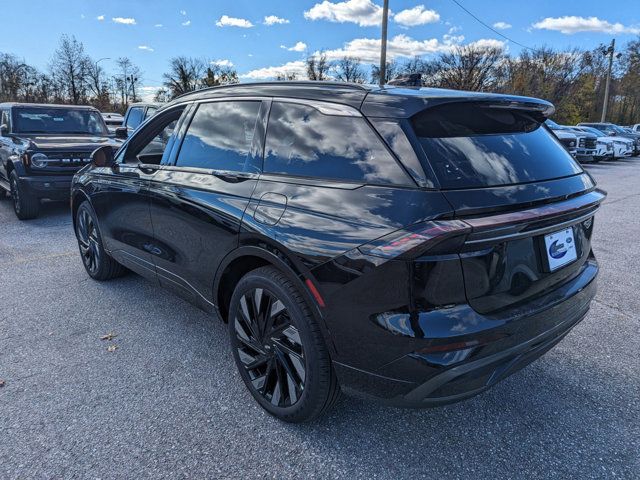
220, 136
302, 141
135, 117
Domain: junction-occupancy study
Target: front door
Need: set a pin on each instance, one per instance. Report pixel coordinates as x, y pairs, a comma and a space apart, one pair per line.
121, 194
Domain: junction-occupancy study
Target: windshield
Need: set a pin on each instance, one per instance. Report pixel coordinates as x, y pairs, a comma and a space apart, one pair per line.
595, 131
471, 146
58, 120
618, 129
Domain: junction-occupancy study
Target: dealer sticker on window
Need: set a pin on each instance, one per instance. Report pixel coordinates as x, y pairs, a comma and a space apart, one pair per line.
561, 248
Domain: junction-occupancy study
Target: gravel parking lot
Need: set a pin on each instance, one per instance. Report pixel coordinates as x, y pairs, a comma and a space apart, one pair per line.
169, 403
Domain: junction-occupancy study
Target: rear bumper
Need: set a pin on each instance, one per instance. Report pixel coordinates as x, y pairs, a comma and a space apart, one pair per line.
53, 187
498, 346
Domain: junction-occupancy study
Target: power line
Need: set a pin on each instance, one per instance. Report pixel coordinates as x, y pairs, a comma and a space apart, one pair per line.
490, 27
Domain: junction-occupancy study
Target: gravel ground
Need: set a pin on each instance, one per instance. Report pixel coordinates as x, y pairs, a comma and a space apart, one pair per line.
169, 403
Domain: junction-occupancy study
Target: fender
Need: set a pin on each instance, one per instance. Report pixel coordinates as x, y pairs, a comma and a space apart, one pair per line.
263, 248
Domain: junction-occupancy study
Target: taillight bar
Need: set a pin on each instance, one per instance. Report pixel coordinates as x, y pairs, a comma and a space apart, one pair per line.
416, 240
591, 200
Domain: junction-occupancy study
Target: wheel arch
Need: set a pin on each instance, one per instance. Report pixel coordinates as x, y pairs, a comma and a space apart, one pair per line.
77, 197
250, 257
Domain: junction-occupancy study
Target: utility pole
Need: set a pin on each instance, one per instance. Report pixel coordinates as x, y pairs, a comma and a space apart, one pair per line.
610, 51
383, 46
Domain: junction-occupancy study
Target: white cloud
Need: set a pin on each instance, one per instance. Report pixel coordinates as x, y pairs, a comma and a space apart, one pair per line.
572, 24
298, 47
158, 25
148, 92
183, 12
82, 15
124, 21
145, 47
502, 25
488, 43
226, 21
363, 12
298, 67
100, 17
368, 49
186, 23
417, 15
222, 63
272, 20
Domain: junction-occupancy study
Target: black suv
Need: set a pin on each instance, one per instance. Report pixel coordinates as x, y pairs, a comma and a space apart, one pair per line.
413, 245
41, 147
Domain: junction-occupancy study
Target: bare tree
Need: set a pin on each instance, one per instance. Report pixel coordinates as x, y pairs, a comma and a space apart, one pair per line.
318, 67
185, 75
391, 71
219, 75
69, 68
286, 76
468, 68
349, 69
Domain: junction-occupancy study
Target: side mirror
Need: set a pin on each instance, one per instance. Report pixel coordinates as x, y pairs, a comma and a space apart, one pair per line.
102, 157
122, 133
4, 130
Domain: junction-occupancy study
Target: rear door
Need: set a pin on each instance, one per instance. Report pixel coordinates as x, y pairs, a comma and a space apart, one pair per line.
198, 201
530, 204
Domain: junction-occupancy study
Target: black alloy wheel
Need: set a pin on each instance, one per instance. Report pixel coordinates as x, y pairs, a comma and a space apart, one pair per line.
279, 348
270, 348
88, 241
97, 262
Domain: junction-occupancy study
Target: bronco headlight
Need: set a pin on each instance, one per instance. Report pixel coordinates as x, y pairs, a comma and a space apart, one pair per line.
39, 160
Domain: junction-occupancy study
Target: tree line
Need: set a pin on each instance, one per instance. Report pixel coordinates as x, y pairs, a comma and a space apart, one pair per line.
572, 79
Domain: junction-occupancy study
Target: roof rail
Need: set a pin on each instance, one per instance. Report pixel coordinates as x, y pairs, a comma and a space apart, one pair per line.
285, 83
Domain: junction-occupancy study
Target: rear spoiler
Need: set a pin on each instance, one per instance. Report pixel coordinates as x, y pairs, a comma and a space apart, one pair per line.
398, 102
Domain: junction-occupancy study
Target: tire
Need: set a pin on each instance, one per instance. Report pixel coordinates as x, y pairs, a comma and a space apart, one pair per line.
25, 205
98, 264
288, 370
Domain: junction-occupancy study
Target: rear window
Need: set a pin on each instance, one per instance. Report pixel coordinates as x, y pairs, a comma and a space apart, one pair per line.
302, 141
472, 146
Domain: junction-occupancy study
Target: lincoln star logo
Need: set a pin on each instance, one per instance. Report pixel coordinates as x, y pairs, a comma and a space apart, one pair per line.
558, 250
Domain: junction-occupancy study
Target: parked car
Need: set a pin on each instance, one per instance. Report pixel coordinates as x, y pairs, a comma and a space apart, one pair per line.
411, 245
113, 121
568, 139
138, 113
586, 143
41, 147
636, 128
622, 147
614, 130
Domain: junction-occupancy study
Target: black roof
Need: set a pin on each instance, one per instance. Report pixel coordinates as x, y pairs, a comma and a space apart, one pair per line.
372, 100
347, 93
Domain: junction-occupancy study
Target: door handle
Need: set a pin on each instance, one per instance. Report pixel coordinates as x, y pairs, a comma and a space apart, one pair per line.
231, 177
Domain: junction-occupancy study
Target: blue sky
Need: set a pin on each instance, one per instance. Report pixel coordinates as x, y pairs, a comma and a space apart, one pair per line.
263, 37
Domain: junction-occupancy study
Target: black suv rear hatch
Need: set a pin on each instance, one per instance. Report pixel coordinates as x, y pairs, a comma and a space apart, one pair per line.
529, 203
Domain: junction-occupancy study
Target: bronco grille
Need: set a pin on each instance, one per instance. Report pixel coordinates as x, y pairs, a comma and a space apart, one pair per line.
590, 142
68, 159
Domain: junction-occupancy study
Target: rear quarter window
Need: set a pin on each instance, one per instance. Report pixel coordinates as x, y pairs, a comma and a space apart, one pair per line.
302, 141
471, 146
